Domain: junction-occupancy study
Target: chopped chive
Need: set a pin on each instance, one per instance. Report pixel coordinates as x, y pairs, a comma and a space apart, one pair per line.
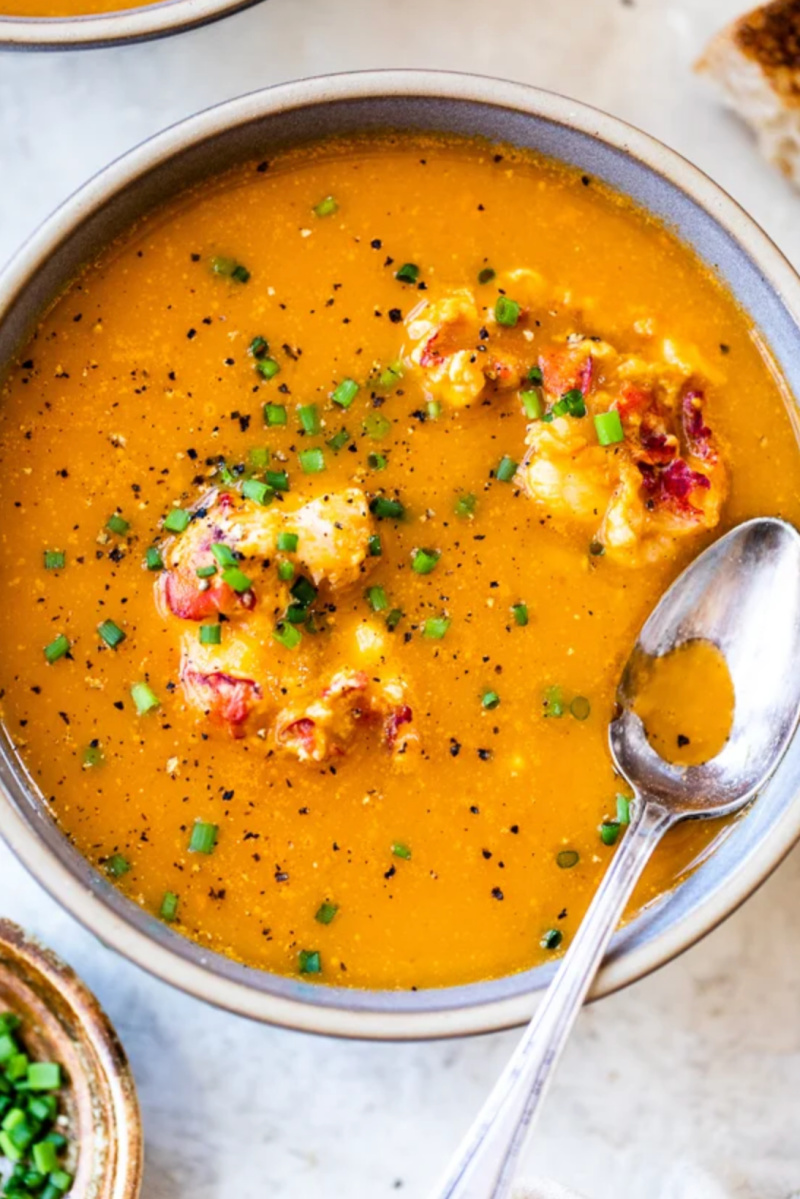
111, 633
287, 543
259, 457
506, 469
223, 554
424, 561
623, 809
553, 703
609, 427
393, 619
567, 858
262, 493
45, 1156
535, 376
532, 404
304, 591
169, 907
92, 755
177, 520
377, 461
144, 698
551, 939
326, 207
54, 560
61, 1180
374, 547
117, 524
268, 368
520, 613
227, 475
258, 347
117, 865
377, 426
490, 700
434, 409
203, 837
571, 403
10, 1149
399, 850
275, 414
506, 312
220, 265
153, 559
309, 418
286, 571
288, 636
210, 634
309, 961
240, 273
609, 831
296, 614
465, 505
236, 579
580, 707
339, 440
435, 627
277, 479
326, 912
345, 393
391, 375
408, 273
312, 461
377, 598
385, 508
206, 572
56, 649
486, 275
44, 1076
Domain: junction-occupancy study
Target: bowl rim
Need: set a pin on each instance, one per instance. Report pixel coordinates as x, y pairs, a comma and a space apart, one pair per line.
304, 1008
87, 31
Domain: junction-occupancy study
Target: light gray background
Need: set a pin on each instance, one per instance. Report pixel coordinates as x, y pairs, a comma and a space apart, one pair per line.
688, 1084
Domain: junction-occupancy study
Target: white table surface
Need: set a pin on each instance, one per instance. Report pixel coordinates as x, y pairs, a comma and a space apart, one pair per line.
687, 1084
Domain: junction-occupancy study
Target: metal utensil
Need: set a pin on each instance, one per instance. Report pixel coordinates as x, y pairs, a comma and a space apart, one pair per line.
742, 595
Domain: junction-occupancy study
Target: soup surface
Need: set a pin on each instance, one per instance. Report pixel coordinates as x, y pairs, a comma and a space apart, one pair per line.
333, 497
65, 8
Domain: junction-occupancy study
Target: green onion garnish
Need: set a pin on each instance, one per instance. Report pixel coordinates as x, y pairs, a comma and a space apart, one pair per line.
386, 509
571, 403
506, 312
287, 543
177, 520
326, 912
262, 493
490, 700
54, 560
434, 409
309, 961
312, 461
567, 858
339, 440
435, 627
144, 698
377, 426
535, 376
506, 469
609, 831
286, 571
92, 755
345, 393
111, 633
465, 505
210, 634
408, 273
553, 703
520, 613
169, 907
304, 591
400, 850
277, 479
153, 559
374, 547
240, 274
391, 375
376, 596
326, 207
44, 1076
486, 275
551, 939
623, 809
424, 561
259, 457
532, 404
116, 524
289, 636
258, 347
236, 579
609, 427
275, 414
229, 268
268, 368
56, 649
377, 461
393, 619
117, 865
203, 837
309, 418
223, 554
580, 707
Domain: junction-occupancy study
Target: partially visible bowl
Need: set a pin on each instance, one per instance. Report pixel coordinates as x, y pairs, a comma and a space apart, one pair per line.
93, 30
258, 125
63, 1022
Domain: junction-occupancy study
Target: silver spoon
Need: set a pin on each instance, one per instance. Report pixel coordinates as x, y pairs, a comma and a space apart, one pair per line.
743, 595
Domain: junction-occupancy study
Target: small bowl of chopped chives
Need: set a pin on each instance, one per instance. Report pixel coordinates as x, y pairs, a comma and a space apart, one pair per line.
69, 1117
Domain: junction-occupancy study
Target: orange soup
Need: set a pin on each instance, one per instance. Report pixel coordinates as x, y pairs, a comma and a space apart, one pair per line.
333, 496
65, 8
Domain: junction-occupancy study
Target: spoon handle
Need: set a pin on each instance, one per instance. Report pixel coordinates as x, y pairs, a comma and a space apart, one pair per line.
484, 1165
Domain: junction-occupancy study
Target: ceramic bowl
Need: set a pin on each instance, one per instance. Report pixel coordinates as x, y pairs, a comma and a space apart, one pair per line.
114, 28
259, 124
63, 1022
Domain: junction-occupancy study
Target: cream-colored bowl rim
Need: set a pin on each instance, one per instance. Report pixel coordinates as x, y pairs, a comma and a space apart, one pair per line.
113, 28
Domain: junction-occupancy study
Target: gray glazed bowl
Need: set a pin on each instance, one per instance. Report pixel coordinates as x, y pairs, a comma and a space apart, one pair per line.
257, 125
114, 28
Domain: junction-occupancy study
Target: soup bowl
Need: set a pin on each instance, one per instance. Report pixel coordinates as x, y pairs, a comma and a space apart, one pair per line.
88, 30
658, 181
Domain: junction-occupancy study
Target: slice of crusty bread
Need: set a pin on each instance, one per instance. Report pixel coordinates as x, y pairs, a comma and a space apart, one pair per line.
756, 61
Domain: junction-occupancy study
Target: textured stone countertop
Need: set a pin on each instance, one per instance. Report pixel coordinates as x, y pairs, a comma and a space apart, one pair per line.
688, 1084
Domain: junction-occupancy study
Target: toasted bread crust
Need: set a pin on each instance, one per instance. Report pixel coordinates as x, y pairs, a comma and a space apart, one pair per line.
771, 37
